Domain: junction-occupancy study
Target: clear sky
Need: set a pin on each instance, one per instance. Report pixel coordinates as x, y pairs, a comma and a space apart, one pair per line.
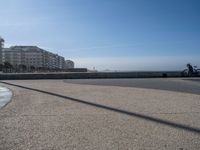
108, 34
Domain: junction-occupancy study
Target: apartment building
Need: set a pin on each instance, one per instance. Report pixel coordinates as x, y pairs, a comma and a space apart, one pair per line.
1, 47
61, 62
69, 64
32, 56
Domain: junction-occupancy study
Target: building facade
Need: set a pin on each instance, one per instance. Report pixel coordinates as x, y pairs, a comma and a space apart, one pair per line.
32, 56
61, 62
69, 64
1, 47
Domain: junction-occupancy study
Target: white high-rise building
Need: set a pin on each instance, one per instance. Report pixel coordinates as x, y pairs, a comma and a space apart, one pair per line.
32, 56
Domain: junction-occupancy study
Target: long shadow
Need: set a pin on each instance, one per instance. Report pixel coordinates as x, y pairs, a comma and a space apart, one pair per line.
132, 114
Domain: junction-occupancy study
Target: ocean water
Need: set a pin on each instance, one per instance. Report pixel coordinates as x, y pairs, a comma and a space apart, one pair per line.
5, 96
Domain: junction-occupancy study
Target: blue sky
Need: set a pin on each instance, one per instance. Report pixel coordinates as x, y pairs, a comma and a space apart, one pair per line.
108, 34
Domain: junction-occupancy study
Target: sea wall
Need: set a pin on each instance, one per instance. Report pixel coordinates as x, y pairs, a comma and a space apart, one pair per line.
88, 75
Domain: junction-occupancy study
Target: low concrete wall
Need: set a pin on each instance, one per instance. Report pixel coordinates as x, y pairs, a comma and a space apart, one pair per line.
21, 76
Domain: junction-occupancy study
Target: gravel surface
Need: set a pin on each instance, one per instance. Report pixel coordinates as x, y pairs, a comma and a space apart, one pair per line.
52, 114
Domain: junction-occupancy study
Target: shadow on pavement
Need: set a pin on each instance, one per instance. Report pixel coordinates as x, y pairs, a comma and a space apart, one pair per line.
147, 83
132, 114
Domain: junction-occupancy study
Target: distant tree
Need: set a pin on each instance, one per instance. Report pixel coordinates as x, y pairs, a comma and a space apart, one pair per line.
190, 68
32, 68
56, 69
22, 68
40, 69
1, 67
8, 67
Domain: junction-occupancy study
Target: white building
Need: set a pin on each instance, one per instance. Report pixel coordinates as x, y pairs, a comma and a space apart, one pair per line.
69, 64
1, 46
32, 56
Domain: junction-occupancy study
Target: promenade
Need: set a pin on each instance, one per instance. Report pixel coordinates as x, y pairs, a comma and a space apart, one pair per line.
91, 114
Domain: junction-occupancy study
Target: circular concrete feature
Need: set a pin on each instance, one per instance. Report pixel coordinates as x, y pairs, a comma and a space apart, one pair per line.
5, 96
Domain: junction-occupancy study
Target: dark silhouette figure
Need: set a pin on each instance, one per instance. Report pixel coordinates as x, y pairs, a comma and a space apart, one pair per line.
190, 69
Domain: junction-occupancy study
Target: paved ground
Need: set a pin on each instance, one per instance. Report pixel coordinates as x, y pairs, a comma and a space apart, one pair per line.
197, 80
178, 84
52, 114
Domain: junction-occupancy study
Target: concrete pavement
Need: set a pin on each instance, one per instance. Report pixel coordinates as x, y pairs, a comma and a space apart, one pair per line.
52, 114
185, 85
